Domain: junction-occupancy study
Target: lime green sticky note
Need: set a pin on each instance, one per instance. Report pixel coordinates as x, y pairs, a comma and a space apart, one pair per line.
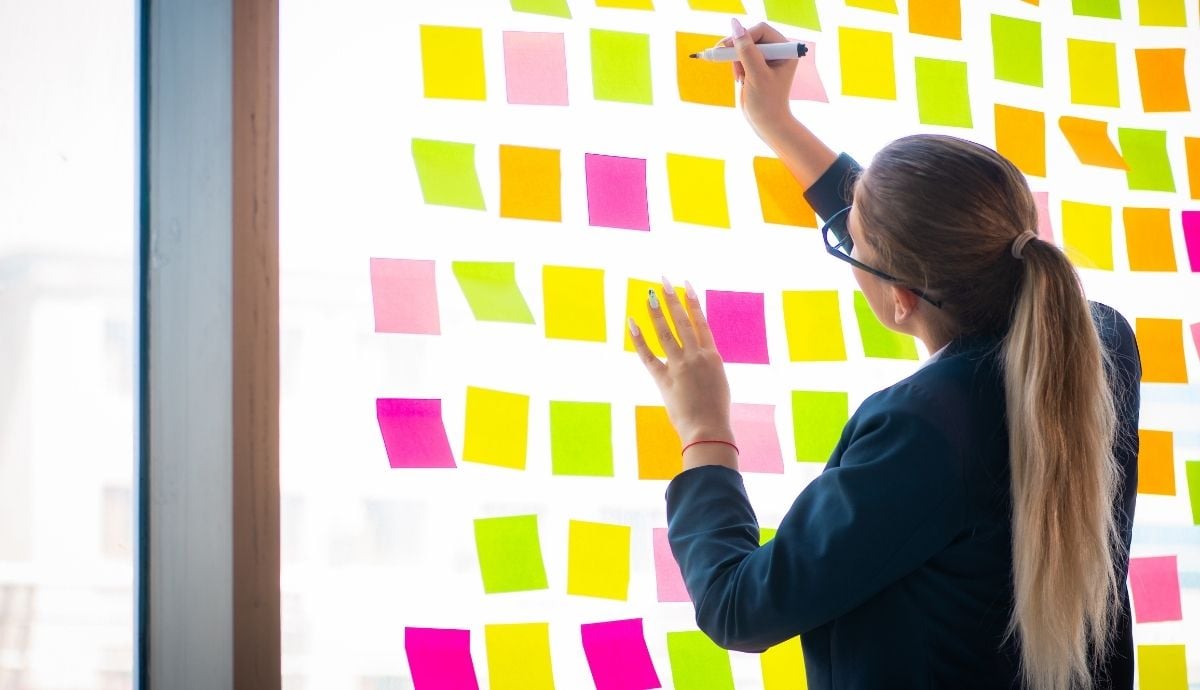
1093, 69
1105, 9
573, 303
581, 438
1192, 469
1162, 13
1162, 667
813, 322
802, 13
697, 663
497, 428
452, 62
697, 187
554, 8
878, 340
1017, 50
1087, 235
766, 534
598, 560
942, 97
510, 554
868, 64
446, 171
621, 67
518, 656
817, 420
877, 5
491, 291
1145, 152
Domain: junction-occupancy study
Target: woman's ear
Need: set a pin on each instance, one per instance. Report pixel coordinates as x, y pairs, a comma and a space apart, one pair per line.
905, 302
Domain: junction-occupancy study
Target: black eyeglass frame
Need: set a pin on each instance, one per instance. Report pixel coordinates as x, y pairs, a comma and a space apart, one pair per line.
843, 247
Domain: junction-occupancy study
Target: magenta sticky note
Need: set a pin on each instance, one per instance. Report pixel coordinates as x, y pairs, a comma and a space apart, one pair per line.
617, 655
413, 432
666, 570
1191, 238
616, 192
535, 68
1154, 582
738, 326
440, 659
757, 438
1044, 229
807, 84
405, 296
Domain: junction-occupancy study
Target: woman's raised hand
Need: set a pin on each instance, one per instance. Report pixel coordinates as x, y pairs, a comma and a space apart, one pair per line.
765, 85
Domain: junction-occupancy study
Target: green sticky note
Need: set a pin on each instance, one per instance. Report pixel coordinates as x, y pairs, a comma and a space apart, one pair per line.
1162, 13
1017, 50
1145, 151
554, 8
878, 340
491, 290
1162, 667
621, 67
697, 663
817, 421
581, 438
766, 534
1105, 9
510, 554
446, 171
942, 97
801, 13
1193, 482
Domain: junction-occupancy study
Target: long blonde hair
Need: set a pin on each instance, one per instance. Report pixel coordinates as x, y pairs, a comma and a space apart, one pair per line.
943, 213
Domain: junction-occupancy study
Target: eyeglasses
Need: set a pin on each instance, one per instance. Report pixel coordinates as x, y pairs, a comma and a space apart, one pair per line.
839, 243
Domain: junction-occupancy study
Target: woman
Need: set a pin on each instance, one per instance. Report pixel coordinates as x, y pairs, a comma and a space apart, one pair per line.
972, 525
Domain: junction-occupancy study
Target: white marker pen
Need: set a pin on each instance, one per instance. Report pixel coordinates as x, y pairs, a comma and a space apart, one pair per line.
771, 51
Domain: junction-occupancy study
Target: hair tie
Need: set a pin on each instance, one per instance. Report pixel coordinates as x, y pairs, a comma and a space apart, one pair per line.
1022, 240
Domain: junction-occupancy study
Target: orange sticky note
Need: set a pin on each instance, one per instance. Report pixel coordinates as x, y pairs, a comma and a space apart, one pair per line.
1089, 140
1156, 462
1148, 239
530, 183
659, 450
941, 18
1161, 76
1161, 344
701, 81
1021, 138
780, 194
1191, 147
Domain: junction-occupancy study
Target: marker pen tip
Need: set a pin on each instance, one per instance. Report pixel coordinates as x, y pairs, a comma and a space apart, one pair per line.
694, 55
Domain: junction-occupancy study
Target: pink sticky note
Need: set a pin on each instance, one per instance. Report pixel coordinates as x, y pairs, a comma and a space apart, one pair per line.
616, 652
807, 85
440, 659
413, 432
405, 296
616, 192
1155, 585
535, 68
738, 326
666, 570
757, 438
1196, 337
1045, 230
1191, 237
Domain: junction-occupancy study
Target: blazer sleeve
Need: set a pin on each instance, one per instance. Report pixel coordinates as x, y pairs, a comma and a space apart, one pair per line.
895, 500
833, 191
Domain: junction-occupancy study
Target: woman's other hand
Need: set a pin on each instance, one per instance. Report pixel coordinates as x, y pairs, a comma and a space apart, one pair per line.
765, 85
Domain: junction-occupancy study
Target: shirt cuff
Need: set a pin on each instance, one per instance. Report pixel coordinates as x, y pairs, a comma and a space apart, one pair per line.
831, 192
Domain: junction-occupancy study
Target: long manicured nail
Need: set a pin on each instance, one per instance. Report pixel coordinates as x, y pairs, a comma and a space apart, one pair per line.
633, 329
653, 299
691, 291
738, 29
667, 287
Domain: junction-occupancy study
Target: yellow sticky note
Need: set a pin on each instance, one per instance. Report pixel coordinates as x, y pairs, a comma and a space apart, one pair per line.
701, 81
1148, 239
1160, 342
1021, 138
780, 194
813, 321
783, 667
518, 656
1162, 81
941, 18
726, 6
574, 303
637, 308
1156, 462
1093, 70
1089, 140
1162, 667
598, 560
868, 64
659, 450
627, 4
1162, 13
452, 62
877, 5
530, 183
698, 190
1087, 234
497, 428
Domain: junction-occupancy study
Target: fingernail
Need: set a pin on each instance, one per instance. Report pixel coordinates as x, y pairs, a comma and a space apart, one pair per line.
653, 300
633, 329
738, 29
667, 285
691, 292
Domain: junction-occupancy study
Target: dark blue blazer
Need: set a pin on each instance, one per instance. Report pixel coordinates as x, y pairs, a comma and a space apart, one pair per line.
894, 564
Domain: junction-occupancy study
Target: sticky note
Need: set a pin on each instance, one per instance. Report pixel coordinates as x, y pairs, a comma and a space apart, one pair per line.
1105, 9
1145, 151
666, 570
738, 325
404, 296
1154, 582
617, 655
518, 656
701, 81
491, 291
1089, 140
697, 187
877, 5
1191, 148
573, 303
780, 194
535, 68
1192, 470
510, 554
813, 322
581, 438
878, 340
806, 83
627, 4
783, 666
801, 13
446, 172
616, 192
1093, 69
636, 307
530, 183
867, 62
1021, 138
1191, 238
440, 659
1156, 462
1162, 666
1162, 13
452, 62
726, 6
1196, 336
621, 67
697, 663
1148, 239
1017, 50
1087, 234
941, 18
942, 97
1045, 228
553, 8
598, 560
766, 534
497, 428
413, 432
757, 438
659, 450
1161, 77
1160, 342
817, 420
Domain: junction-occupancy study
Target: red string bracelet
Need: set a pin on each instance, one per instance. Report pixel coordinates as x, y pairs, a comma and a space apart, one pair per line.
696, 443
